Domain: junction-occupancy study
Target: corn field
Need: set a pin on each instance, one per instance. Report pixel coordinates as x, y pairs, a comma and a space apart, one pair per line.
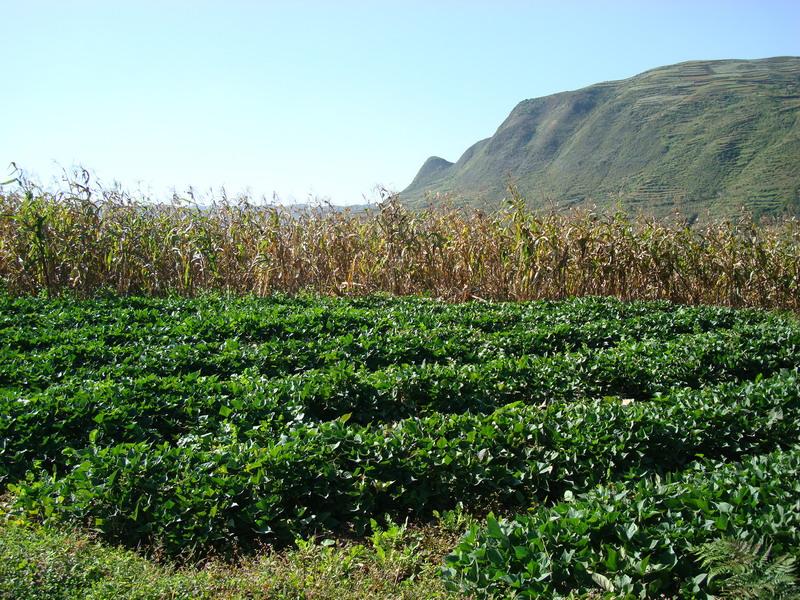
83, 242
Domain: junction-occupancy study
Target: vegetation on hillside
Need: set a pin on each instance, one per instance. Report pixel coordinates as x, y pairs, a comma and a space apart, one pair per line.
704, 138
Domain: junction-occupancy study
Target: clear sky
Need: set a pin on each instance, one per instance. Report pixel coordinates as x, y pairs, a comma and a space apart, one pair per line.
324, 99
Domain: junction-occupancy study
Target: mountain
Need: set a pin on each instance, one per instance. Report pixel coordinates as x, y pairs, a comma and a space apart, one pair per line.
704, 138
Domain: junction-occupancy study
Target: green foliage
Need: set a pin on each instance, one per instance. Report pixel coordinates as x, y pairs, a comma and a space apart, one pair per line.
46, 564
637, 538
238, 488
745, 569
696, 138
214, 425
149, 370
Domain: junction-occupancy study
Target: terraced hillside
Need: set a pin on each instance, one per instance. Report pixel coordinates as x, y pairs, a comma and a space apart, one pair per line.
703, 138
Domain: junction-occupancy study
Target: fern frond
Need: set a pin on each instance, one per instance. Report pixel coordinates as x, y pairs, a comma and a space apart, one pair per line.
747, 571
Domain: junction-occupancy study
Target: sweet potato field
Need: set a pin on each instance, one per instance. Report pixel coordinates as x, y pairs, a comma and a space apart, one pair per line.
598, 443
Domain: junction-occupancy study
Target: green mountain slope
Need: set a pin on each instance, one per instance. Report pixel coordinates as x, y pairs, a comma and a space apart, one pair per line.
701, 138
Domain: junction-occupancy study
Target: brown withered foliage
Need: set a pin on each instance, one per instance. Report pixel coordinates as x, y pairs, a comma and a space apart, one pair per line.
84, 241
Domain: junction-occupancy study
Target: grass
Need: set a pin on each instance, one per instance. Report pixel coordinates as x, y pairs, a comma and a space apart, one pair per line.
67, 564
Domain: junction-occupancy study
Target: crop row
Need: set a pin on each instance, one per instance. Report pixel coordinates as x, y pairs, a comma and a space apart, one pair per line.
636, 369
156, 407
635, 539
254, 319
43, 341
244, 485
57, 243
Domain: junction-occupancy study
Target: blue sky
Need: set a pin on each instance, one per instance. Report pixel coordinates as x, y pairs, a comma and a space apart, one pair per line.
325, 99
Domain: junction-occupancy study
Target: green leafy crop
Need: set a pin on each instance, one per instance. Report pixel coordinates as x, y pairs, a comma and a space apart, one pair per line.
218, 422
634, 539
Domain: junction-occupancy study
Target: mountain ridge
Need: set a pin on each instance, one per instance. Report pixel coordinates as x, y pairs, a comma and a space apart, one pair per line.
696, 137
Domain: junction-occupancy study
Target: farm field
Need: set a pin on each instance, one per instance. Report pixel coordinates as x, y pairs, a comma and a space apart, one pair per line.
254, 345
84, 242
587, 446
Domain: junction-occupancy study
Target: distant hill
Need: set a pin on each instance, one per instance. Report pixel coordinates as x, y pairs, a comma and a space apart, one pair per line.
702, 138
